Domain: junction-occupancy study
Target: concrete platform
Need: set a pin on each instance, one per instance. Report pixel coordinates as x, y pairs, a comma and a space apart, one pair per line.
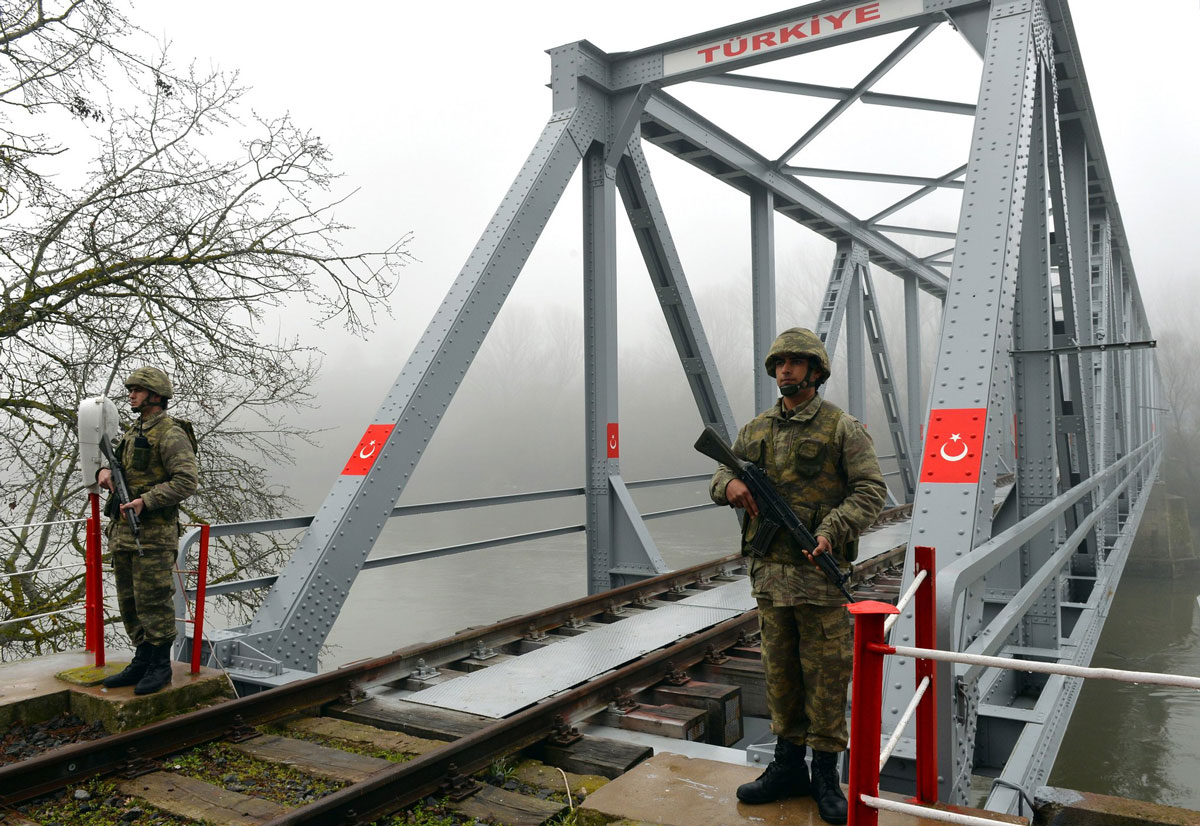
31, 692
673, 790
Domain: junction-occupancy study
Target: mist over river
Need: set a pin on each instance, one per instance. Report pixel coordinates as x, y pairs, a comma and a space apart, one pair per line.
1127, 740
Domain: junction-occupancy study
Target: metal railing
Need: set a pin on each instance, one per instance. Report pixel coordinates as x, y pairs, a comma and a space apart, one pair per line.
32, 571
957, 576
871, 622
295, 522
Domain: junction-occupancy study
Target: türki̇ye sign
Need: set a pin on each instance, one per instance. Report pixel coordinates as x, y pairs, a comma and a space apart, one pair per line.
861, 15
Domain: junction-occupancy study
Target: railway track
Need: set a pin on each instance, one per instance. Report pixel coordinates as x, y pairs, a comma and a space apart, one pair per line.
449, 747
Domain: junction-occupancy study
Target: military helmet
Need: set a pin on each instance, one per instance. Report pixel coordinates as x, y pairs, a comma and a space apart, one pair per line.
152, 379
798, 341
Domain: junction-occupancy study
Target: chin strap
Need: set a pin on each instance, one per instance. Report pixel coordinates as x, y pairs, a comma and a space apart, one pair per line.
806, 382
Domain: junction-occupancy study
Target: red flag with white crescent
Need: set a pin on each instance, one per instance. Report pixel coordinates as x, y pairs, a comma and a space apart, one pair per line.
368, 449
614, 443
954, 445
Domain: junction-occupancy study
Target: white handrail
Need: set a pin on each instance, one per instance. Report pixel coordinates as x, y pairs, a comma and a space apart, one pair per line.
927, 812
904, 718
904, 601
1147, 677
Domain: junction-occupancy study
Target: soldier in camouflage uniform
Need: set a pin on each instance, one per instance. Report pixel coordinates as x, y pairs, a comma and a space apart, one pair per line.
159, 460
823, 464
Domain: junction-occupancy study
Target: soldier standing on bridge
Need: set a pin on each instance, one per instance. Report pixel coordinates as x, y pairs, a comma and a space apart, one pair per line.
159, 459
823, 464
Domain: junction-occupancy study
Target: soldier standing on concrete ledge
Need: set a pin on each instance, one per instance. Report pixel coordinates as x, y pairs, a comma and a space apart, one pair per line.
159, 459
823, 464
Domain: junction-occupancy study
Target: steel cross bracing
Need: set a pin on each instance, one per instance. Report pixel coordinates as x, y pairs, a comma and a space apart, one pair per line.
1032, 280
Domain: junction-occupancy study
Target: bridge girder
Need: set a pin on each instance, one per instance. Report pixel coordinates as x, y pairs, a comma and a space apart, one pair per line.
1039, 273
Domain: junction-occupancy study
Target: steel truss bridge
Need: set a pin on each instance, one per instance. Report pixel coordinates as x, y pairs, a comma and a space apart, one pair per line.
1044, 370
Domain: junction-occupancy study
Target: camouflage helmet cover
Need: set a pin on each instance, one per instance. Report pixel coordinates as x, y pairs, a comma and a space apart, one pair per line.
152, 379
798, 341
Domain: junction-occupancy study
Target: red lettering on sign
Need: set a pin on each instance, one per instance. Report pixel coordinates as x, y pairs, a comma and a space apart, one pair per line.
867, 13
762, 40
369, 447
795, 32
612, 441
954, 446
814, 25
837, 19
708, 52
728, 51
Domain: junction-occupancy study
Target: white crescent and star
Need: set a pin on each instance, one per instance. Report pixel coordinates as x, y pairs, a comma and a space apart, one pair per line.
955, 437
367, 454
612, 442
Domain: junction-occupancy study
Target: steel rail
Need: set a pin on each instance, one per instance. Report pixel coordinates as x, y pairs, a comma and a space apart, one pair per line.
74, 763
405, 783
55, 769
366, 801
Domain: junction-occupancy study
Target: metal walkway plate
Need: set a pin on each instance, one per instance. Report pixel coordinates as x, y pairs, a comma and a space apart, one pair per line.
510, 686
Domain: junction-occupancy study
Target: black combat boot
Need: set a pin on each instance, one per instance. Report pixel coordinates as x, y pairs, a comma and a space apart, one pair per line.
786, 776
134, 671
158, 674
826, 790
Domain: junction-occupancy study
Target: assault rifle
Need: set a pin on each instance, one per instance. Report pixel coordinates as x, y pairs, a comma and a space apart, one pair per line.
773, 512
121, 491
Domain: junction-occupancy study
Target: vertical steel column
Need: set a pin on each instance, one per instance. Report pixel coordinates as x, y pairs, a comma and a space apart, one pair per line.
1104, 425
619, 547
762, 290
912, 371
600, 359
965, 438
1074, 179
1072, 413
1036, 385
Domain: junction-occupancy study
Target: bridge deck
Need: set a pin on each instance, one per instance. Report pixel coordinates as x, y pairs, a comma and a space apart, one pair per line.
509, 686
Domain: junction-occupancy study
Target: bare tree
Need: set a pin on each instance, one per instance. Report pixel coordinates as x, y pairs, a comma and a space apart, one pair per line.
150, 217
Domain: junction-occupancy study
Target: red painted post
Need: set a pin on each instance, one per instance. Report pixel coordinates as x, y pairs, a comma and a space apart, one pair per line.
865, 708
925, 609
94, 612
89, 585
201, 584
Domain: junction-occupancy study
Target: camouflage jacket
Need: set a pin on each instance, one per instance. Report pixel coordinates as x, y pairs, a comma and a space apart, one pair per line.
823, 464
162, 470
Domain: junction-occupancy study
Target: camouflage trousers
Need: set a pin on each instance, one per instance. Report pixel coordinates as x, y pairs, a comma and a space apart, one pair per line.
146, 592
808, 657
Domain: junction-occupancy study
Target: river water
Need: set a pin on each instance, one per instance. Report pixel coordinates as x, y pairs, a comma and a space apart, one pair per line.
1127, 740
1140, 741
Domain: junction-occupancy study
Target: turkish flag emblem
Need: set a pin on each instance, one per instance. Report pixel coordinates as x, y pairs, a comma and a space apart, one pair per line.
613, 443
368, 448
954, 445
